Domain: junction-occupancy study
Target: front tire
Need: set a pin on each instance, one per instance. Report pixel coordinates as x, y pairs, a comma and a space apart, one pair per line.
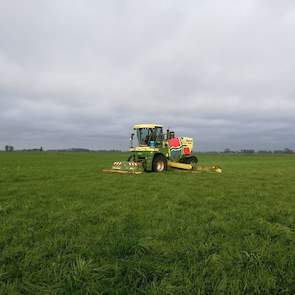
159, 163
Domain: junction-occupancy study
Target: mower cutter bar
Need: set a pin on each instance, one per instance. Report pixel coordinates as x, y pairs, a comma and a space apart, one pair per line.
122, 171
195, 168
126, 167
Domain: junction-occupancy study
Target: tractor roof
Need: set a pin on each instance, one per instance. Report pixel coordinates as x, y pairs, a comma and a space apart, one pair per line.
137, 126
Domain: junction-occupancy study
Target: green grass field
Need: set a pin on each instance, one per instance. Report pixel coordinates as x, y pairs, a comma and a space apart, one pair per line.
68, 228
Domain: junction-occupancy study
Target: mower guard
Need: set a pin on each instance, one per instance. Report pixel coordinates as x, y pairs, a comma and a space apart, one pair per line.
125, 167
195, 168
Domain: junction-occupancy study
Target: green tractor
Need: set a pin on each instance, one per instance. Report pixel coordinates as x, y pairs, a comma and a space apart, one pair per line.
157, 151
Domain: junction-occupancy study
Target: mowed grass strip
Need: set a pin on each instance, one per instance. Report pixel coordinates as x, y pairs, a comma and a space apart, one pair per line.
68, 228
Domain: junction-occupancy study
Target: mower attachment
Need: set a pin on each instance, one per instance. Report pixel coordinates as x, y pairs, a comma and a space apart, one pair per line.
195, 168
126, 167
205, 168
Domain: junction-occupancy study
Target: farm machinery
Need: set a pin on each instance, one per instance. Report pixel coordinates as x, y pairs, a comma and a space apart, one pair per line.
158, 151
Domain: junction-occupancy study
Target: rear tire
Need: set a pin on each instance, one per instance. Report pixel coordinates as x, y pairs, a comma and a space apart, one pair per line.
159, 163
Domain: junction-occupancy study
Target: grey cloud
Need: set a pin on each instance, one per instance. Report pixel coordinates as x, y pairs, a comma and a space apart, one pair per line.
82, 73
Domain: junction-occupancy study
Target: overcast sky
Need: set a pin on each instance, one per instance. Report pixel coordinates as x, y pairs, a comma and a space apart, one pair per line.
81, 73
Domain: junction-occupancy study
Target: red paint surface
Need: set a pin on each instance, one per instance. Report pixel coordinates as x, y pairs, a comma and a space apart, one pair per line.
186, 151
174, 142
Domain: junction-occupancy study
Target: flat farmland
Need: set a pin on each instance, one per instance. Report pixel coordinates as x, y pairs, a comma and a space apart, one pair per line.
68, 228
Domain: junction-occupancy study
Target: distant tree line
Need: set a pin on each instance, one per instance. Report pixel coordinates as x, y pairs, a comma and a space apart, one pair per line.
10, 148
253, 151
83, 150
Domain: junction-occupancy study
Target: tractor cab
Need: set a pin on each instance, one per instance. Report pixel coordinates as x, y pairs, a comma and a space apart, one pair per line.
150, 135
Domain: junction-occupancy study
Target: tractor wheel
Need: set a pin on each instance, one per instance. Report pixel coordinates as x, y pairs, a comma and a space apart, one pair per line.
159, 163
